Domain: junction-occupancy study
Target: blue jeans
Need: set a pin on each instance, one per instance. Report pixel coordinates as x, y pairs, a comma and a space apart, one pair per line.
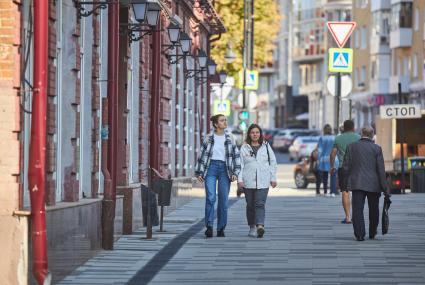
217, 171
333, 183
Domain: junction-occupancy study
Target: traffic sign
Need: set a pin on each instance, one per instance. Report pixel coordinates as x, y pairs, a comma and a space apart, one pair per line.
400, 111
251, 80
222, 107
341, 31
346, 85
340, 60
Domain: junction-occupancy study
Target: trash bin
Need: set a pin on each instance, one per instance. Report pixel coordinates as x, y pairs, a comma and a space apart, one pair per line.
163, 188
417, 174
153, 206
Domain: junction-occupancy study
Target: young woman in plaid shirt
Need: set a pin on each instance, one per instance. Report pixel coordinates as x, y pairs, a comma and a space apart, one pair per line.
219, 161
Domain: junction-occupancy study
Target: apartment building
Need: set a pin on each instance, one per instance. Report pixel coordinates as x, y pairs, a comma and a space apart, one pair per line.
388, 50
310, 43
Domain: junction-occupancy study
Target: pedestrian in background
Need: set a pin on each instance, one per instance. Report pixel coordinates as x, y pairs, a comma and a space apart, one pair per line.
340, 145
258, 173
364, 176
219, 161
324, 148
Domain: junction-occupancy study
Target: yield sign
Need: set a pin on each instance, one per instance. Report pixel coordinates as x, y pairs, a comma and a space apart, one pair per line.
341, 31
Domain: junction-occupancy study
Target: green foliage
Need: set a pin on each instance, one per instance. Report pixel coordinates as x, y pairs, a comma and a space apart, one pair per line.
266, 28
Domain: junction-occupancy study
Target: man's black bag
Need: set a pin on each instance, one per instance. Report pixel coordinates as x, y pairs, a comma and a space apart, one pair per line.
385, 217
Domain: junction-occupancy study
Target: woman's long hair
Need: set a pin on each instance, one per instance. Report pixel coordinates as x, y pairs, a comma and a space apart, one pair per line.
248, 138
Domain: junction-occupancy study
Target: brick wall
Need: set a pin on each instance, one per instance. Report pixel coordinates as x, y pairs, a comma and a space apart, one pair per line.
51, 108
95, 105
13, 237
144, 75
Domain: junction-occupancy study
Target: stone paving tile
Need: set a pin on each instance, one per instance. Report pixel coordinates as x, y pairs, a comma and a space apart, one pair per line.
304, 244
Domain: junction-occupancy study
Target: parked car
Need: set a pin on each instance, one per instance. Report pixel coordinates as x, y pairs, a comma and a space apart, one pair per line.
284, 138
303, 174
238, 136
302, 147
269, 134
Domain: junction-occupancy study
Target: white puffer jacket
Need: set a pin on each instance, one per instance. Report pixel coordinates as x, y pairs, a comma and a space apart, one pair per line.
256, 172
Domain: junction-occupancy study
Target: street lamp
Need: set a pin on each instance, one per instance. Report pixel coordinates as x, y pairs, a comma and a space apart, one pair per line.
202, 58
223, 76
152, 15
146, 13
212, 67
173, 33
186, 42
139, 11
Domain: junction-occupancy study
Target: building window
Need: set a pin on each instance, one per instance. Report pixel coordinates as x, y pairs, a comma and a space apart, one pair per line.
356, 39
401, 15
373, 69
415, 65
406, 66
362, 3
417, 19
364, 37
363, 76
381, 23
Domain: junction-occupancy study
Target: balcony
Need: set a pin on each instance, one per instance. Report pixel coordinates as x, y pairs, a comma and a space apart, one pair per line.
380, 5
379, 86
310, 88
401, 37
379, 44
403, 79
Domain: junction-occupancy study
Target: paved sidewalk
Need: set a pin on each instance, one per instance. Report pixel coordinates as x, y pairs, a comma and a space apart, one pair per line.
304, 244
133, 252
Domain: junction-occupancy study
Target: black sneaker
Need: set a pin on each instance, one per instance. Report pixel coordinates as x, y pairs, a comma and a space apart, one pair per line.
220, 233
260, 232
209, 232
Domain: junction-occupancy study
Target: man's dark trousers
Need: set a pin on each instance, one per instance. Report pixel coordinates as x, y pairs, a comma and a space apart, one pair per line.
357, 201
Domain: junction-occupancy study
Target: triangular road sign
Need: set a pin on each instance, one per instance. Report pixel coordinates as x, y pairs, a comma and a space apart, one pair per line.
341, 31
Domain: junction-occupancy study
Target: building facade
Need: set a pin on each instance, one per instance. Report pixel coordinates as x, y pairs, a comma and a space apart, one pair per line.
77, 121
389, 50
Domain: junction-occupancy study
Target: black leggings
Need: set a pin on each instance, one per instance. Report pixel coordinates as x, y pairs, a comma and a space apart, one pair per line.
322, 176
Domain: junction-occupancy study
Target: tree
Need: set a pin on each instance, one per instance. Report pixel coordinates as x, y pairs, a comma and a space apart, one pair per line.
266, 28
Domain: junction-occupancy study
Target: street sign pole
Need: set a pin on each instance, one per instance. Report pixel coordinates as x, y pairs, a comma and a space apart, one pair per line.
338, 100
350, 102
400, 100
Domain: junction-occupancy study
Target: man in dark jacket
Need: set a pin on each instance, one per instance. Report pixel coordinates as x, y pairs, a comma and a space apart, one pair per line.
365, 177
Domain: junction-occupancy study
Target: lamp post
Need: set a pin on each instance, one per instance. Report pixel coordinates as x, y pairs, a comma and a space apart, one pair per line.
223, 77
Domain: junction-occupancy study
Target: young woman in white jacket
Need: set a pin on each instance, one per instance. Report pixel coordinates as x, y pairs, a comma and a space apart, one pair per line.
258, 173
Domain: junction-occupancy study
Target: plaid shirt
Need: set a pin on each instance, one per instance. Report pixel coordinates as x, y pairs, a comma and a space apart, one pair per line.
233, 160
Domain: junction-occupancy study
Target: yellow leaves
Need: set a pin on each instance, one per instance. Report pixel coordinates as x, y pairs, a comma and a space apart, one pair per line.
266, 28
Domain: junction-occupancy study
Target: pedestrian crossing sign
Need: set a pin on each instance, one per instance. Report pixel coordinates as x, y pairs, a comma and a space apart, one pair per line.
340, 60
223, 107
251, 80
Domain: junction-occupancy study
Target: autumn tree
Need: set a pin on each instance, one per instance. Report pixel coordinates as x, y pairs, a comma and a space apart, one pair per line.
266, 28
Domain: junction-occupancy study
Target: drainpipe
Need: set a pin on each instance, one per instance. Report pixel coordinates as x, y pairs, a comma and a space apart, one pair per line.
37, 156
109, 197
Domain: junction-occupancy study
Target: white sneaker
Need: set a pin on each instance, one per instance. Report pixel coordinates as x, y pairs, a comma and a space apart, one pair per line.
252, 232
328, 195
333, 195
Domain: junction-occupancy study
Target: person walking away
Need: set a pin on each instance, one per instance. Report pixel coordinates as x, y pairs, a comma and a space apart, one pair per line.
219, 161
340, 145
364, 176
258, 173
324, 147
